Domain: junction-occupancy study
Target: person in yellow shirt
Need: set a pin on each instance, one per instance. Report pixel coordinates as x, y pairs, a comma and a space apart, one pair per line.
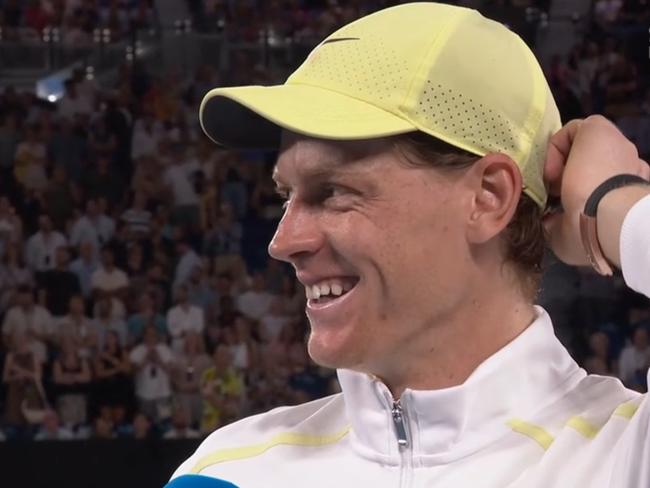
222, 387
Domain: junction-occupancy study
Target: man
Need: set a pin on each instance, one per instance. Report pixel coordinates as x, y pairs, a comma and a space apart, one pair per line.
183, 318
153, 361
27, 317
60, 284
421, 263
94, 227
109, 279
84, 267
41, 247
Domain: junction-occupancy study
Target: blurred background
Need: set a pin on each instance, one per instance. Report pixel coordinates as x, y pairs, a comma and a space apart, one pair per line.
139, 310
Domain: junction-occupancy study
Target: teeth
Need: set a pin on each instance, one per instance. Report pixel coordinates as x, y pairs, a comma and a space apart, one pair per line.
315, 291
336, 288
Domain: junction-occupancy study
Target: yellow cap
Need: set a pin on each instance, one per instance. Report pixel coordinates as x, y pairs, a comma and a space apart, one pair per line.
440, 69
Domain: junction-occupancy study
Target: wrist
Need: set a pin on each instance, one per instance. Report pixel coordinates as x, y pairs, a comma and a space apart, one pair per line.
612, 210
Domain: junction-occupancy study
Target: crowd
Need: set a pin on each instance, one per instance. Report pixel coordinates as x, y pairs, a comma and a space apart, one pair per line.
606, 72
76, 20
136, 296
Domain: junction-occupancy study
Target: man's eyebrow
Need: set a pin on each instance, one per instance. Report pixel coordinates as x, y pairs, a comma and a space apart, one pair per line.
325, 171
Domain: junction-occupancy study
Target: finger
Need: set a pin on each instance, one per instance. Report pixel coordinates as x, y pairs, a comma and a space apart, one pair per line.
559, 146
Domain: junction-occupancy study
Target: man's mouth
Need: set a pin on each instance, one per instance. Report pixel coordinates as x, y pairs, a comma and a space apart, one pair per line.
330, 289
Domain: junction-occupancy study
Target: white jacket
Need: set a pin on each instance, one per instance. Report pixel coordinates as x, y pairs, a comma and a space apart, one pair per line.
528, 417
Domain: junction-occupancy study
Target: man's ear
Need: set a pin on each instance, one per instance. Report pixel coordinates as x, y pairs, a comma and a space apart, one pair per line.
495, 183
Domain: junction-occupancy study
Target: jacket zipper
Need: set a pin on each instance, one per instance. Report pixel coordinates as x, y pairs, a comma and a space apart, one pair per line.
403, 444
400, 429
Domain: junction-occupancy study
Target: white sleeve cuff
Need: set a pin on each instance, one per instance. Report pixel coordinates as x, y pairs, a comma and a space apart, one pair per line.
635, 247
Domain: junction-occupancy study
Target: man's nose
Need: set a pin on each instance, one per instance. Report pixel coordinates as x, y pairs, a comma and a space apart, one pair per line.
298, 235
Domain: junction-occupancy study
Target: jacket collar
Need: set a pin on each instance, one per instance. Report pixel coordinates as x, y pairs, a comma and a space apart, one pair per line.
529, 373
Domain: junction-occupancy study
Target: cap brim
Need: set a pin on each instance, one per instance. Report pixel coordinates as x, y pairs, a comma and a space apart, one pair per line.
252, 117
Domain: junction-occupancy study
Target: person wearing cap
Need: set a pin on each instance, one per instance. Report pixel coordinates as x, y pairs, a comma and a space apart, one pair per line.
418, 147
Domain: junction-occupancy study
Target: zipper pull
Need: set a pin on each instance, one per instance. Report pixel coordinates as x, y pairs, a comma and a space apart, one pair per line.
400, 429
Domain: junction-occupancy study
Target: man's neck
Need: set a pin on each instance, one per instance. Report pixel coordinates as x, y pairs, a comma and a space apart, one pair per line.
449, 352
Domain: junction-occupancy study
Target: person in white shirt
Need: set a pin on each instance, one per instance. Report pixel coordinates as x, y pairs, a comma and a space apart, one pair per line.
94, 227
188, 260
41, 247
183, 318
108, 279
27, 316
153, 361
421, 258
179, 179
74, 104
635, 361
255, 302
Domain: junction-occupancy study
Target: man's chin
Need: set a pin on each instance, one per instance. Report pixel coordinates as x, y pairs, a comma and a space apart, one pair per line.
329, 356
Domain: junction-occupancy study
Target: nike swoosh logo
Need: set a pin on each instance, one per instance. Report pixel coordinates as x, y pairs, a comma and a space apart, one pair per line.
341, 39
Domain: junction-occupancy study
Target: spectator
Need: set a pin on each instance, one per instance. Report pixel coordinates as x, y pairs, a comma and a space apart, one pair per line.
223, 241
102, 181
103, 425
147, 134
222, 388
52, 430
29, 166
41, 247
179, 180
152, 361
27, 317
183, 318
243, 347
105, 323
84, 267
78, 329
256, 302
635, 360
189, 366
187, 261
137, 218
60, 197
114, 385
11, 227
68, 148
598, 361
93, 227
71, 378
22, 376
74, 105
147, 315
142, 428
272, 323
13, 274
108, 279
293, 297
59, 284
180, 428
9, 140
101, 142
199, 291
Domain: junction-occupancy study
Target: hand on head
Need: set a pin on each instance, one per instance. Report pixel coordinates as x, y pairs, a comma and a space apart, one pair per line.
581, 156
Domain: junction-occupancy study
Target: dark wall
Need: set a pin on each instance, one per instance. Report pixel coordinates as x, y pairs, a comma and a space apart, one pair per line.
92, 464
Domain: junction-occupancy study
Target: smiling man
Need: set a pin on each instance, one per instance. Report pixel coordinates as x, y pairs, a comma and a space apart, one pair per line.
413, 148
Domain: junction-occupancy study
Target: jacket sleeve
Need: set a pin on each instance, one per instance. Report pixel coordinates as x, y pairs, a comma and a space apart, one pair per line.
635, 247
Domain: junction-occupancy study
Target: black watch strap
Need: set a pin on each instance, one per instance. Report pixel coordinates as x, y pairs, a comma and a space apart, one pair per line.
618, 181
